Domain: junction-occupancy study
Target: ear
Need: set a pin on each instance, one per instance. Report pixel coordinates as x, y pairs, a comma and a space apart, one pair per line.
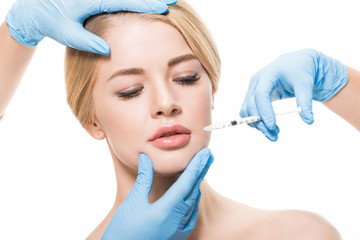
95, 130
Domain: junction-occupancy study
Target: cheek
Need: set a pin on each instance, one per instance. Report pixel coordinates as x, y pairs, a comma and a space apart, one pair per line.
202, 108
198, 115
122, 124
199, 106
201, 117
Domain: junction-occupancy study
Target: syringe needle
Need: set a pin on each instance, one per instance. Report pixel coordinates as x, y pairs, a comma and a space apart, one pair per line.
221, 125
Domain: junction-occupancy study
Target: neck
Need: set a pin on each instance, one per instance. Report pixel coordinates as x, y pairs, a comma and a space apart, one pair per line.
126, 178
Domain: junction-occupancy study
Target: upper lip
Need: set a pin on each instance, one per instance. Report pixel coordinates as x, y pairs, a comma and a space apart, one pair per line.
175, 128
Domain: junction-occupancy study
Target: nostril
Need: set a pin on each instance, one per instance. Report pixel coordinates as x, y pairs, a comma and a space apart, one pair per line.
159, 113
167, 111
174, 111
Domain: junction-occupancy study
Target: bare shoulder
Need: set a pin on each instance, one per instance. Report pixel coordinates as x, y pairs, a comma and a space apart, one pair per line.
295, 224
258, 224
234, 221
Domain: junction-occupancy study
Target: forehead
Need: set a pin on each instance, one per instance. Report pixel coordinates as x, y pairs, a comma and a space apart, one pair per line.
139, 39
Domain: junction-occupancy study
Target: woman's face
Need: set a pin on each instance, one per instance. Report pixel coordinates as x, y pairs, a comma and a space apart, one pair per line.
152, 96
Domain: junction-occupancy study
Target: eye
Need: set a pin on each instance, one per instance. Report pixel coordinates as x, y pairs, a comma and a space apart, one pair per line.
187, 80
130, 93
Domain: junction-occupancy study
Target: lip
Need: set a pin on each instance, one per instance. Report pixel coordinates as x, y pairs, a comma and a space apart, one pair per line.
181, 138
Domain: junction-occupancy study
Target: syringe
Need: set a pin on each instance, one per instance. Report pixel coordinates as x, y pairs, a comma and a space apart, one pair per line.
221, 125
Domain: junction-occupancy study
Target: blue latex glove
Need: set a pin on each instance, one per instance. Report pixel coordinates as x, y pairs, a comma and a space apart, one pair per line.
307, 75
62, 20
173, 216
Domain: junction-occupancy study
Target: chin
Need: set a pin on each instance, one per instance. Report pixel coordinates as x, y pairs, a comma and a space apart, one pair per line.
172, 162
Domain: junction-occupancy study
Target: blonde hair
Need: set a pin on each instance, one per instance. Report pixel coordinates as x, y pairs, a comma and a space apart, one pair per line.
81, 67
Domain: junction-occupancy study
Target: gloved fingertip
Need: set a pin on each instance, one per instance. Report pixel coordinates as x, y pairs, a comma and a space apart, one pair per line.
272, 135
307, 117
142, 157
204, 151
268, 118
201, 163
161, 8
145, 163
93, 42
144, 179
271, 125
205, 157
277, 129
102, 49
169, 2
172, 2
208, 164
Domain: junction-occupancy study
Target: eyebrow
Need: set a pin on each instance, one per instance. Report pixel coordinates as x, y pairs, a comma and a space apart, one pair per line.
138, 71
127, 71
174, 61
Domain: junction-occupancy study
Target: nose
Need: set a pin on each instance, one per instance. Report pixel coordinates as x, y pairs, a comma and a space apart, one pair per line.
165, 103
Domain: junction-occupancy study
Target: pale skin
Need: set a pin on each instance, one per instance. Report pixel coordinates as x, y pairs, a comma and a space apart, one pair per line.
219, 217
346, 103
13, 62
162, 101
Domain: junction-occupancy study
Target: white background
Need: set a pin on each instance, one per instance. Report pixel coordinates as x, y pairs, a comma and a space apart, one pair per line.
56, 182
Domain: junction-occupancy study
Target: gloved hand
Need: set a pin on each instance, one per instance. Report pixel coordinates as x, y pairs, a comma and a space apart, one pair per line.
306, 74
173, 216
62, 20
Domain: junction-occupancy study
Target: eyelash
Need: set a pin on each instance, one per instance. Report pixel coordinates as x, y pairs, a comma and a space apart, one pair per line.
187, 80
184, 81
130, 94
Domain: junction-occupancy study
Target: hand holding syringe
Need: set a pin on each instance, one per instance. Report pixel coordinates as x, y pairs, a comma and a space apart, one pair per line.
221, 125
